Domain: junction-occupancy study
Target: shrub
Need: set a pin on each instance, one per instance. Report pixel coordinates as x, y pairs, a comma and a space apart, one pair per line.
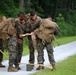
66, 28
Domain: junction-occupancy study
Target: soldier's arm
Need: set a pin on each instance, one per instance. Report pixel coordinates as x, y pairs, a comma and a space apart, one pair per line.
28, 28
57, 29
37, 24
18, 28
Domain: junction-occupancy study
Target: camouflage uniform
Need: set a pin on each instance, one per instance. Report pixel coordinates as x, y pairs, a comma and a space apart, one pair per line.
20, 30
29, 28
40, 47
45, 41
1, 48
31, 48
12, 44
12, 49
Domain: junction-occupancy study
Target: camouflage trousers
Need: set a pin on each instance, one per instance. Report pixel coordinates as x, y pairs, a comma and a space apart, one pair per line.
40, 47
31, 51
1, 48
20, 50
12, 49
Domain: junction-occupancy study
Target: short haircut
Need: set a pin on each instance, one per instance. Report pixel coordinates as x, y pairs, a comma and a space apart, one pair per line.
20, 13
32, 13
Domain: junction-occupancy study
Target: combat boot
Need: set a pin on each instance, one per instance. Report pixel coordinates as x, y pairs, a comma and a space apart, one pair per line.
17, 67
53, 67
12, 69
40, 68
1, 65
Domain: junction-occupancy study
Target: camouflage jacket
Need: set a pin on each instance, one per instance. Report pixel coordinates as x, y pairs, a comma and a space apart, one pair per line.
46, 30
20, 28
31, 25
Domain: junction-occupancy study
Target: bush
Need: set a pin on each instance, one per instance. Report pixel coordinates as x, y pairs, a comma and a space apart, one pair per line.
71, 19
66, 29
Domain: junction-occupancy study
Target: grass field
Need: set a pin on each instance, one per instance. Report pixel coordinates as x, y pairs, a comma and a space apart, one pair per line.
66, 67
62, 40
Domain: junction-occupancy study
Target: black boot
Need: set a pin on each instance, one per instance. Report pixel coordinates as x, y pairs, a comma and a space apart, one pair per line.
12, 69
1, 65
40, 68
53, 67
17, 67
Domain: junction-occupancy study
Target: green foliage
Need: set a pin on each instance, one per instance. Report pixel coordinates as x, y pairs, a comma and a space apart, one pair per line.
66, 28
71, 19
66, 20
27, 7
8, 8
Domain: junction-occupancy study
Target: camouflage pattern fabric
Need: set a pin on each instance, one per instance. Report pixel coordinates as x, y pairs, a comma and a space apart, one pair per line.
7, 28
31, 50
20, 30
46, 30
12, 49
1, 48
30, 26
40, 47
20, 50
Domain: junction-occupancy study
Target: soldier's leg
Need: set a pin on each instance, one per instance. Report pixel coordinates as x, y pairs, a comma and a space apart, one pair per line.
31, 52
40, 57
12, 48
19, 55
20, 50
1, 48
49, 48
1, 55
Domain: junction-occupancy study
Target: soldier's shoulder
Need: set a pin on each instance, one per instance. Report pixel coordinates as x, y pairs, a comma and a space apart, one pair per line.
38, 17
27, 16
9, 19
28, 21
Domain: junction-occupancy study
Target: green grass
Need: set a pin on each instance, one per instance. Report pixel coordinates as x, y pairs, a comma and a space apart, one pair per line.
66, 67
62, 40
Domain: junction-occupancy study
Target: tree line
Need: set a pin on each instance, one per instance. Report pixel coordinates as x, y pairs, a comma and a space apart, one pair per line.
62, 11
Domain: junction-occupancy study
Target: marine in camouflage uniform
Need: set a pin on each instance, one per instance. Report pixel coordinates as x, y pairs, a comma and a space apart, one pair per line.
12, 49
45, 40
19, 43
29, 28
1, 55
18, 46
40, 47
12, 43
20, 27
1, 45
